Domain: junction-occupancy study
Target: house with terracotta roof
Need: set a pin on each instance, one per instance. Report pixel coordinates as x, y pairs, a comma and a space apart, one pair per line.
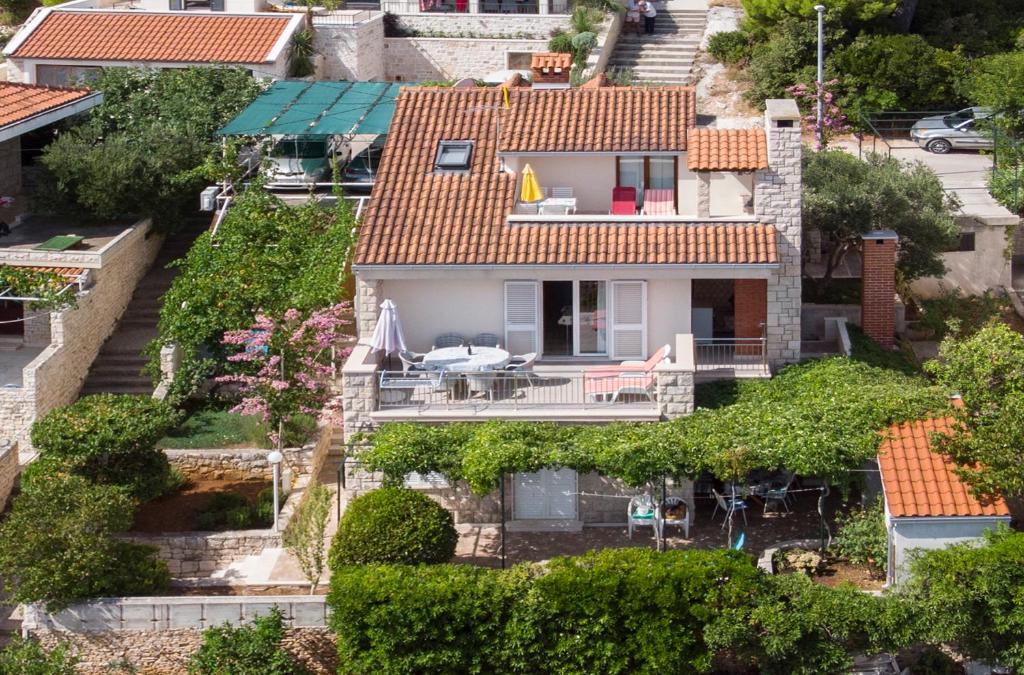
927, 506
645, 238
64, 45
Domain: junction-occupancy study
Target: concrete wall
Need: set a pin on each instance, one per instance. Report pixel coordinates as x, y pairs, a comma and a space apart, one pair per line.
909, 534
160, 634
56, 72
55, 377
592, 178
974, 272
420, 59
351, 52
10, 167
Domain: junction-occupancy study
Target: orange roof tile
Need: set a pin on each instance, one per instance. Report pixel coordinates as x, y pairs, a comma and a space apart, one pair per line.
552, 60
21, 101
920, 482
602, 119
150, 36
727, 150
417, 217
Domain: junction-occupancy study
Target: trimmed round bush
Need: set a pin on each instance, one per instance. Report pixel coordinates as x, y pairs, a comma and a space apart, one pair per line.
393, 525
109, 439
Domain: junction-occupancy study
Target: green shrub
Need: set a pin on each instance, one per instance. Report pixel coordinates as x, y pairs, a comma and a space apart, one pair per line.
248, 649
614, 611
393, 525
967, 313
560, 42
782, 58
58, 545
897, 72
730, 46
27, 657
861, 537
232, 511
109, 439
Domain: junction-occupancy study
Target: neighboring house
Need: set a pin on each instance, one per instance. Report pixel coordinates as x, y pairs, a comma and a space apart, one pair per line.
704, 259
68, 44
24, 108
927, 506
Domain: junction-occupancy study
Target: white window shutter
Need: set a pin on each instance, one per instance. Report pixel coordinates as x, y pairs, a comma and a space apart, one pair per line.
521, 316
629, 319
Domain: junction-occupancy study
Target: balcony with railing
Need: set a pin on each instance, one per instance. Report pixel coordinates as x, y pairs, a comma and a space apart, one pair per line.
736, 357
528, 7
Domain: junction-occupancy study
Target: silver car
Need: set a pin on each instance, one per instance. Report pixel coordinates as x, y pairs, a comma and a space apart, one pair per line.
942, 133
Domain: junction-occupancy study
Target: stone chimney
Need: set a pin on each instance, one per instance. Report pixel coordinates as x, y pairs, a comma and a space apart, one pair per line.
777, 201
878, 280
550, 70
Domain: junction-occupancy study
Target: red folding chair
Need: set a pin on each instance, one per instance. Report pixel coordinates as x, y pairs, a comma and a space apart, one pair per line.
624, 201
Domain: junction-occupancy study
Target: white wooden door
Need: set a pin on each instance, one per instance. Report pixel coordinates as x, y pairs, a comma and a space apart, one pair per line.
545, 494
521, 316
629, 320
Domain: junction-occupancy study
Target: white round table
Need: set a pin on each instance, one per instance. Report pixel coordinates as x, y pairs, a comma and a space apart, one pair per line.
459, 360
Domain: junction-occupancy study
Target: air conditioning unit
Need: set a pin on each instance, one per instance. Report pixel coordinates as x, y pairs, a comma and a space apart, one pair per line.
208, 198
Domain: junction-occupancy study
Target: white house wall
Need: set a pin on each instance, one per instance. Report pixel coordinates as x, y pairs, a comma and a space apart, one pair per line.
591, 178
730, 193
909, 534
428, 308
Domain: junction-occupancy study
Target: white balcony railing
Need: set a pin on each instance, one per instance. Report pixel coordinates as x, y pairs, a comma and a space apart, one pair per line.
521, 390
737, 354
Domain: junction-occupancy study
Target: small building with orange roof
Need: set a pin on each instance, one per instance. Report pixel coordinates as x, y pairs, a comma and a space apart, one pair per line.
927, 505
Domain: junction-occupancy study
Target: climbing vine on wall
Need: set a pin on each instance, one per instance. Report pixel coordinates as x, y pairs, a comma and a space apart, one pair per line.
47, 289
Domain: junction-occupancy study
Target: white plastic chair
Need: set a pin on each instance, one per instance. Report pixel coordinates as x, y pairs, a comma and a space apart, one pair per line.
642, 512
674, 503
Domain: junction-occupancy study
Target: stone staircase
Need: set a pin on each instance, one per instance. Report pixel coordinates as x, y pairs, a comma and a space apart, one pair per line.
118, 367
667, 56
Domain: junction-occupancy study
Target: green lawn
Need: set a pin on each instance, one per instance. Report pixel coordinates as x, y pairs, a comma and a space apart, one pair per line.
215, 429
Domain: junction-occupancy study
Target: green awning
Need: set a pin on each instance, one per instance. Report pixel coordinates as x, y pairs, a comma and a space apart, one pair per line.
297, 108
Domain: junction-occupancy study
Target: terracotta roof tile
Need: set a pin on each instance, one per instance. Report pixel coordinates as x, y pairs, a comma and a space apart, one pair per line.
920, 482
417, 217
151, 36
21, 101
602, 119
727, 150
551, 60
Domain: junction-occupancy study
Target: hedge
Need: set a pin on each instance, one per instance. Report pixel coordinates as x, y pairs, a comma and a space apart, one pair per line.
616, 611
820, 418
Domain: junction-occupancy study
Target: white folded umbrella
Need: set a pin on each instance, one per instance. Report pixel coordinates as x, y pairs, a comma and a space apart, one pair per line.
387, 334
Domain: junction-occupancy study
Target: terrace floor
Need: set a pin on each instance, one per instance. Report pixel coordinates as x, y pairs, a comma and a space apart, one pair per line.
481, 544
34, 230
13, 362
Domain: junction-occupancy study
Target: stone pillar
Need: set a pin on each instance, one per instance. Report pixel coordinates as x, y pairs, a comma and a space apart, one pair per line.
703, 194
37, 328
358, 391
369, 295
878, 279
777, 201
675, 380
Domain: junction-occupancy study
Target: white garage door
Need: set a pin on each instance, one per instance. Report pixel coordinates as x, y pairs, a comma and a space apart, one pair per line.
546, 494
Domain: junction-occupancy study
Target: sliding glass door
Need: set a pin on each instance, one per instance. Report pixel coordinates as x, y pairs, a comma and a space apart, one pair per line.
592, 317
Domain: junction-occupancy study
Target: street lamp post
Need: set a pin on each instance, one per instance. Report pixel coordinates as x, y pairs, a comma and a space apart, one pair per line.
819, 127
274, 459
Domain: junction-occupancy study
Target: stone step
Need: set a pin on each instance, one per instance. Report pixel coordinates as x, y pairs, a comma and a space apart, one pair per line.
106, 371
125, 389
667, 65
659, 50
658, 71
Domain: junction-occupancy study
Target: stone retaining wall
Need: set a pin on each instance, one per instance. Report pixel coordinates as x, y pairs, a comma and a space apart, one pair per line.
420, 59
535, 26
160, 634
237, 464
351, 51
8, 471
198, 554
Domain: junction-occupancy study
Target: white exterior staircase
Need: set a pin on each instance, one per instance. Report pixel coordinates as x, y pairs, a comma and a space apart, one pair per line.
667, 56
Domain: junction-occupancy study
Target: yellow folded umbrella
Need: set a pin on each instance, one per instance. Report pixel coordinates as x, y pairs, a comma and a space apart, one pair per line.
530, 191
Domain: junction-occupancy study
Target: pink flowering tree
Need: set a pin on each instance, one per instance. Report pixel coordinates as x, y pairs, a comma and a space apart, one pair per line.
287, 364
833, 120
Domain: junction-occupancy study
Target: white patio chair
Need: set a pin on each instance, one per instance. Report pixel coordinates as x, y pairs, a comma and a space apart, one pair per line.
642, 512
561, 193
411, 360
486, 340
672, 505
449, 340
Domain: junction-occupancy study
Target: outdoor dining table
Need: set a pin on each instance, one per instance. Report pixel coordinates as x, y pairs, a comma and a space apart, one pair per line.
460, 360
558, 206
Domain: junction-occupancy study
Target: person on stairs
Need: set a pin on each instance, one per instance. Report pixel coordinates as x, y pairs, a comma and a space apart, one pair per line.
649, 12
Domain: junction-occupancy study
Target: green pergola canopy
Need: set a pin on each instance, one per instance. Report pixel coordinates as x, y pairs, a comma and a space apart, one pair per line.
297, 108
